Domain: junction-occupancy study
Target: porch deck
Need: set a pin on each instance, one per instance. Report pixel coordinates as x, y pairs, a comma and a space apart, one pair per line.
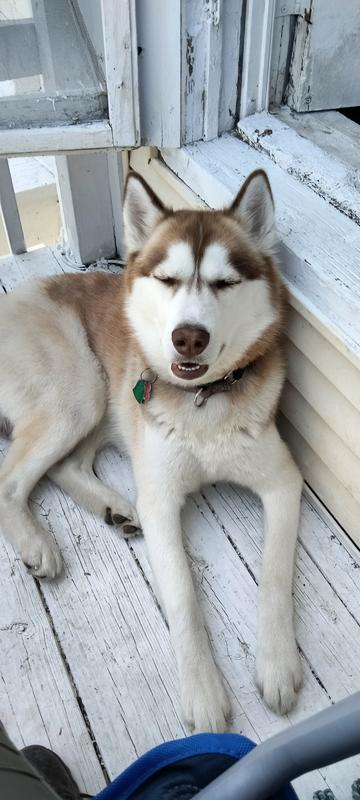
86, 663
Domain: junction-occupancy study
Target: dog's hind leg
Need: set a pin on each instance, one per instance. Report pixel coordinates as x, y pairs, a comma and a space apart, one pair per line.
75, 475
38, 442
54, 393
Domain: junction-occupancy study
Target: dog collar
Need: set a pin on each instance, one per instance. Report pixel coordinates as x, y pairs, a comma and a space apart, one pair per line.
143, 388
222, 385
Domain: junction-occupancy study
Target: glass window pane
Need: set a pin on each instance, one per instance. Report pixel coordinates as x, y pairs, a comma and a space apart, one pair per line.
49, 74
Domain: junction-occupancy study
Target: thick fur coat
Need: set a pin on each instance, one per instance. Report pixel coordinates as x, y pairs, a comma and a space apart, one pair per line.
201, 306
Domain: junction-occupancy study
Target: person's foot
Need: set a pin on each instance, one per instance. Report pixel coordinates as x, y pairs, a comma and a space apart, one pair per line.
53, 770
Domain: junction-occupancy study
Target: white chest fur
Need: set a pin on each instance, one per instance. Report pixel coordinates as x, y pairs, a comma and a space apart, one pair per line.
203, 444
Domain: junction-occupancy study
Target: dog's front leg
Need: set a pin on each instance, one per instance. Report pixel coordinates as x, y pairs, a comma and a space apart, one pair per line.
270, 471
160, 497
278, 663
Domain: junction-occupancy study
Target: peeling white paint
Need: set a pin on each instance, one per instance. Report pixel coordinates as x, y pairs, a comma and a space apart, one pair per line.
329, 177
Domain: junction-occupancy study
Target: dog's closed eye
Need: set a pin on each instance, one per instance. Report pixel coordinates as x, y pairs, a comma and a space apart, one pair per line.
166, 279
223, 284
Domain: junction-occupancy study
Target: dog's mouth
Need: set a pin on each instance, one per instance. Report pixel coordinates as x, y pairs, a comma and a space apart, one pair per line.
188, 370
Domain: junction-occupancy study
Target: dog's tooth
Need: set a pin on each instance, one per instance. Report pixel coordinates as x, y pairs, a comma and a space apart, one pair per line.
183, 368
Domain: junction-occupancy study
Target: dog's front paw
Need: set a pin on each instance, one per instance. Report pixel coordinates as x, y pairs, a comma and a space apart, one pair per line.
279, 676
41, 555
205, 703
125, 517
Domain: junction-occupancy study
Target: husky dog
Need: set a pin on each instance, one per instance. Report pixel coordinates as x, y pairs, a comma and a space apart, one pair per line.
180, 361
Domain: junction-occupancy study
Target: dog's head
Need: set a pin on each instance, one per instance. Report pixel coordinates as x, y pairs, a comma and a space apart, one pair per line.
204, 295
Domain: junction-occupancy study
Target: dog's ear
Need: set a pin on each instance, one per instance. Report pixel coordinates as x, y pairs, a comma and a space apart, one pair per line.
253, 207
142, 212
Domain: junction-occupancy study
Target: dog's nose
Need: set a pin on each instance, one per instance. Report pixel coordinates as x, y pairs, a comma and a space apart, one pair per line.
190, 341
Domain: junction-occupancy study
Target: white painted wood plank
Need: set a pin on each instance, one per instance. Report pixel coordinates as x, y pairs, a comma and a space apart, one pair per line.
328, 177
231, 12
331, 491
320, 247
159, 71
329, 403
310, 334
194, 68
211, 36
213, 74
86, 206
37, 263
317, 316
330, 130
282, 36
322, 439
37, 698
121, 68
335, 555
9, 210
68, 209
259, 25
34, 110
62, 138
115, 172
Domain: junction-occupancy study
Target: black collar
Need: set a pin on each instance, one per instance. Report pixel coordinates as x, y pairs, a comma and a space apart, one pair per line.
223, 385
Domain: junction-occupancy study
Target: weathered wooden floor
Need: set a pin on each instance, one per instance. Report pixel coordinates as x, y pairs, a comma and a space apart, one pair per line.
86, 663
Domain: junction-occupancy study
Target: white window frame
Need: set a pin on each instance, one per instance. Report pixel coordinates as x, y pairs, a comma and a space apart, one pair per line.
122, 129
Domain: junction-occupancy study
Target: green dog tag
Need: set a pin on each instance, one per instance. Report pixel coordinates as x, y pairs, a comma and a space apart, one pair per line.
142, 391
